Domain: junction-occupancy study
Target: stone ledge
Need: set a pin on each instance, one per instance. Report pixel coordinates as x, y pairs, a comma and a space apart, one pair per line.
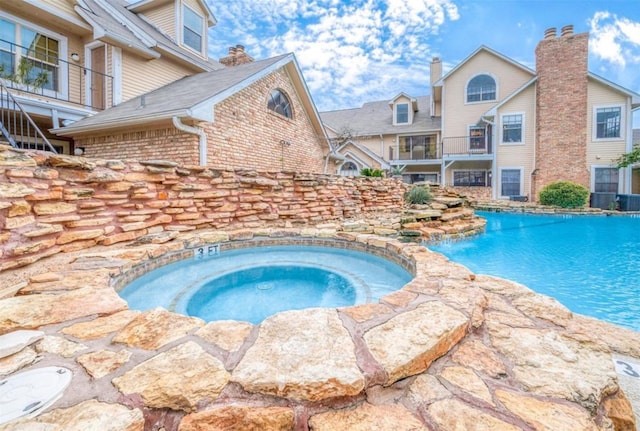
501, 355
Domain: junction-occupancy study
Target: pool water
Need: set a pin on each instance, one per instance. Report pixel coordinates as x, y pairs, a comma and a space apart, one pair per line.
251, 284
591, 264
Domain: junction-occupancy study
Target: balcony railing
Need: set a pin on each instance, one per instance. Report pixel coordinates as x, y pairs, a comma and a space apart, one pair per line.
466, 146
28, 70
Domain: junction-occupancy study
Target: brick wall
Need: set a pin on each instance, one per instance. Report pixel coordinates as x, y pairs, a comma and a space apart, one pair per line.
245, 134
561, 109
164, 142
56, 203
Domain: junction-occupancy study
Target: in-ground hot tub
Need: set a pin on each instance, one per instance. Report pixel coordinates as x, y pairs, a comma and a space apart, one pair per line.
217, 282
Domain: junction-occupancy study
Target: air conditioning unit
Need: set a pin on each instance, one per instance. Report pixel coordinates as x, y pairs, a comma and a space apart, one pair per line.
629, 202
602, 200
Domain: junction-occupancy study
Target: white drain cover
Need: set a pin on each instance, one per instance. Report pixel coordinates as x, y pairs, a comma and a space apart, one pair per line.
29, 393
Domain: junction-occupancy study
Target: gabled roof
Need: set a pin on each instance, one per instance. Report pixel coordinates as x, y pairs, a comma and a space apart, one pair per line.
498, 105
635, 97
193, 97
143, 5
484, 48
374, 118
342, 149
112, 21
414, 102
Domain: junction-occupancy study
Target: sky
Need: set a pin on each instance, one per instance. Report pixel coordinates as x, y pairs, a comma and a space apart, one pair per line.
355, 51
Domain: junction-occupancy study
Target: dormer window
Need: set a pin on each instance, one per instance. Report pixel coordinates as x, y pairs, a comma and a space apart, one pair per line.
192, 29
481, 88
402, 113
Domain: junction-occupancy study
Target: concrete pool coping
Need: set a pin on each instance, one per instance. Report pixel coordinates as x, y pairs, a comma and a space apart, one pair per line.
449, 348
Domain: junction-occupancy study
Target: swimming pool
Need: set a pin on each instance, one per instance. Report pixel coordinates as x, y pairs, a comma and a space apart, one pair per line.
250, 284
591, 264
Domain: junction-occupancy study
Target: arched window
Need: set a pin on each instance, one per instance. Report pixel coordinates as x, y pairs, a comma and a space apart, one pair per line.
279, 103
481, 88
349, 169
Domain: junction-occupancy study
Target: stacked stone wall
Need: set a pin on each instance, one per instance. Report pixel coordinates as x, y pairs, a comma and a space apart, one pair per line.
55, 203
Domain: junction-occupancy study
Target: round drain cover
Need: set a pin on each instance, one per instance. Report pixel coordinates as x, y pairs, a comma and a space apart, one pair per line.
29, 393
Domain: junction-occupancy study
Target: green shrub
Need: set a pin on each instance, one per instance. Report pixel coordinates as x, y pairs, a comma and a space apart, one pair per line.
368, 172
419, 195
564, 194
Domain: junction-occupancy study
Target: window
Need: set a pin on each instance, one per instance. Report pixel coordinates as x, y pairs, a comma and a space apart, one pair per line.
30, 58
192, 29
510, 182
417, 147
477, 139
481, 88
512, 128
606, 180
470, 178
279, 103
608, 122
402, 113
349, 169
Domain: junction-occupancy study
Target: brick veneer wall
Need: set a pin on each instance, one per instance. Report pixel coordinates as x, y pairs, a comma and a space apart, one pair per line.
56, 203
561, 110
244, 134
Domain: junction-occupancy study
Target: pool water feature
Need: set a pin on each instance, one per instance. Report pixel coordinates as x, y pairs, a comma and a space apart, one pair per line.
250, 284
590, 263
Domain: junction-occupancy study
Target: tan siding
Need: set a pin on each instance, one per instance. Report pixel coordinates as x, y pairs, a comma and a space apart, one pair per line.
518, 155
164, 17
603, 152
459, 115
64, 6
141, 76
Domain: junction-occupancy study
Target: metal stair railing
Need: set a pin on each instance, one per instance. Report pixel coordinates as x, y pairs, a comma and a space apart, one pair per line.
17, 127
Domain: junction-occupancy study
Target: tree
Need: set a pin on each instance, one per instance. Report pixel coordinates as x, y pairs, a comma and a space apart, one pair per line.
630, 158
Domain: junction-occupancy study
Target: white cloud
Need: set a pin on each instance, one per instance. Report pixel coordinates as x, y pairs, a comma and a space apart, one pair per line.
615, 39
349, 52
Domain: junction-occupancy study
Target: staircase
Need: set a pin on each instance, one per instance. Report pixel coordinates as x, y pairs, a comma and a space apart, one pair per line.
17, 127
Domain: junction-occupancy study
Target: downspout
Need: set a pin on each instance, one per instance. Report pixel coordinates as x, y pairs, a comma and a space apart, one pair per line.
194, 131
332, 155
494, 148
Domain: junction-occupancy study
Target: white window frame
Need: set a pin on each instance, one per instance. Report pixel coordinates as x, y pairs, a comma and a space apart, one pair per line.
499, 184
593, 177
594, 125
63, 68
466, 89
486, 144
522, 128
486, 176
203, 33
395, 113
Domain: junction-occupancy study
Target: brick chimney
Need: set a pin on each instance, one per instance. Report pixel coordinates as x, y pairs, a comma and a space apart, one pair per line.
236, 56
561, 108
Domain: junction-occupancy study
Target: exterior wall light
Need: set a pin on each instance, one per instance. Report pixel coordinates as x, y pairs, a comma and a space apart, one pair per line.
75, 56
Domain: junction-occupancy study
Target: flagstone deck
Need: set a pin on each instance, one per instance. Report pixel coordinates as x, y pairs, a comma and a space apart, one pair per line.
450, 350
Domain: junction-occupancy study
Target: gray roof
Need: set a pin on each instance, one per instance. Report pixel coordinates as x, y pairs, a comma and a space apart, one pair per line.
133, 31
375, 118
191, 97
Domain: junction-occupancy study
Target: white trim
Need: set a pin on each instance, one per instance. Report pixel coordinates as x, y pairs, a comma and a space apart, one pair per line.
522, 129
593, 177
466, 89
499, 184
475, 126
58, 13
116, 72
395, 113
89, 76
594, 122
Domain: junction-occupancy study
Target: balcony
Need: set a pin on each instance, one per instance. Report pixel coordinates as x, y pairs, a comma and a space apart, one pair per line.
467, 147
28, 71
